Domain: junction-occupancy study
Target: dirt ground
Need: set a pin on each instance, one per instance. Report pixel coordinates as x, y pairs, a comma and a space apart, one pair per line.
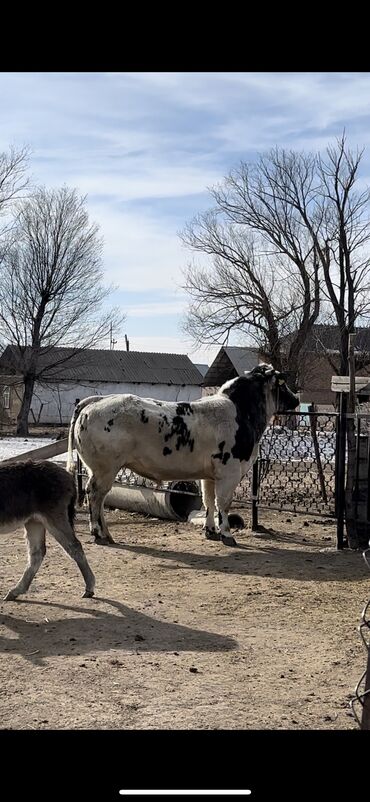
185, 633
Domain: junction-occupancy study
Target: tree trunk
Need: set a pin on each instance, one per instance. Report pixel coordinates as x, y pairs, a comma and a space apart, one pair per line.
22, 419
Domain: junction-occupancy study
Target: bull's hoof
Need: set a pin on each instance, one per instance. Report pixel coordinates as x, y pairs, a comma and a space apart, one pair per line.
211, 534
228, 540
88, 594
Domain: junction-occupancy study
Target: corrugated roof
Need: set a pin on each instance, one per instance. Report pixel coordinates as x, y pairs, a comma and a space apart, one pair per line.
231, 361
108, 366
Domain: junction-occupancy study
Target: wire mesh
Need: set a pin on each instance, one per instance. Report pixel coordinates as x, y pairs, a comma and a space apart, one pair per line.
296, 465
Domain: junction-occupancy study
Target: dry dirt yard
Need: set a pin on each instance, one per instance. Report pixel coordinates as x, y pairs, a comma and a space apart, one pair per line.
185, 633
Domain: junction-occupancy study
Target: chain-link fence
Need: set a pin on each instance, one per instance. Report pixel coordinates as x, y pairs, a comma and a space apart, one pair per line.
296, 466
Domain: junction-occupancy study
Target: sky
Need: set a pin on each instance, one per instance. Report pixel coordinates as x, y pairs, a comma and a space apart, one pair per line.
145, 148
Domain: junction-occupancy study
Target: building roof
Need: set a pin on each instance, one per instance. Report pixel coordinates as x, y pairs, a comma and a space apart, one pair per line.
201, 367
96, 365
326, 338
231, 361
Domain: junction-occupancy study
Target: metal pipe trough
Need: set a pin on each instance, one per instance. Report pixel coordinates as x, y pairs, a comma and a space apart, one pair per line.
175, 502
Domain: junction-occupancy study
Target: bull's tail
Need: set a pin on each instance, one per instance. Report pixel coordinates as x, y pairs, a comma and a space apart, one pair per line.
85, 401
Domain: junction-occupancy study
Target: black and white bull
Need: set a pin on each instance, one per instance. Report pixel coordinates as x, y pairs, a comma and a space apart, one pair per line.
214, 439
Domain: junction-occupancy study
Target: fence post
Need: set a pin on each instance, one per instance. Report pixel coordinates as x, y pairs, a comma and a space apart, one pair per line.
340, 468
80, 490
255, 472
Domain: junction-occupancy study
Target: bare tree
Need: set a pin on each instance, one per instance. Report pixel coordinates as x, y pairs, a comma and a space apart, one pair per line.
307, 211
345, 262
13, 182
264, 277
51, 291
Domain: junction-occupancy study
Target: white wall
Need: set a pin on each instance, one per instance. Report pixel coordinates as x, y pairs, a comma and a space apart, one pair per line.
59, 400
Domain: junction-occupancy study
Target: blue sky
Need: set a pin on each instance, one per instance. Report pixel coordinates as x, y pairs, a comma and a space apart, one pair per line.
144, 147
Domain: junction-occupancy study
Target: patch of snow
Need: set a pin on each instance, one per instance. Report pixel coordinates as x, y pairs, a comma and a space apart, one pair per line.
12, 446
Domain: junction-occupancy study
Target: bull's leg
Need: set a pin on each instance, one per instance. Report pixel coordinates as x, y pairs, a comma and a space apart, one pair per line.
208, 496
35, 537
59, 526
224, 496
97, 492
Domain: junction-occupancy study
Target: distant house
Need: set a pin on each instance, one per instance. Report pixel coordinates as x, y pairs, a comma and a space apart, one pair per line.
319, 361
230, 362
172, 377
202, 368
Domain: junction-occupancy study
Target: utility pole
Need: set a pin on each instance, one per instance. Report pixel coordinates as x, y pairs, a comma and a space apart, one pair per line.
112, 342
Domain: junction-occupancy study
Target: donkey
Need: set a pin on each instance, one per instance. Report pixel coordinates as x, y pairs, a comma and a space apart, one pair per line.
41, 496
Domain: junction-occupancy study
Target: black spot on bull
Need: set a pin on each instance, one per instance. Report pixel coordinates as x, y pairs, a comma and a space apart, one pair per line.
183, 408
248, 396
180, 428
221, 455
167, 451
110, 422
245, 440
162, 422
143, 417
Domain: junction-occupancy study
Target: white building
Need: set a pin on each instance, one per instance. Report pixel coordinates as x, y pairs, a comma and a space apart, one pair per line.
65, 376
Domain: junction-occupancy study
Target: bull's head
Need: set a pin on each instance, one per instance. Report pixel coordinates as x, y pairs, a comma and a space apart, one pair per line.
279, 397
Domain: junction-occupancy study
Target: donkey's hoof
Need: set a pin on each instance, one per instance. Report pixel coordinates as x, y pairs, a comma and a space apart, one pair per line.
103, 541
10, 596
228, 540
88, 594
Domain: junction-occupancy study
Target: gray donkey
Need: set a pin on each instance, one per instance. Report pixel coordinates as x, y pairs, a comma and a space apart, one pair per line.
41, 496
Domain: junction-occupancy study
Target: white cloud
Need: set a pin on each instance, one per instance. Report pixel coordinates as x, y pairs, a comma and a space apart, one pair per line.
145, 146
147, 179
140, 252
169, 307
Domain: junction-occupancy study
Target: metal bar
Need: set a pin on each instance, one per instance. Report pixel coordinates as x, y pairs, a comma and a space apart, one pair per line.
358, 457
340, 475
80, 488
255, 473
313, 423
